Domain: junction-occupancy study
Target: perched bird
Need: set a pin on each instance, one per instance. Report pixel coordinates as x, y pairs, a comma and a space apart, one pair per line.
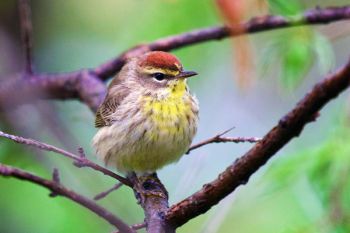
149, 117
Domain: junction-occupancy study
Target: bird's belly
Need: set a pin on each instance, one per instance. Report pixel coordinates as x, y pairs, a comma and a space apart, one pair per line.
160, 133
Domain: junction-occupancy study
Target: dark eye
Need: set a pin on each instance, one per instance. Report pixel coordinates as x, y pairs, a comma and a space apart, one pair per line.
159, 76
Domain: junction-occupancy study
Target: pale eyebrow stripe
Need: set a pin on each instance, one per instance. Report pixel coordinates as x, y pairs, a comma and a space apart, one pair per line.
150, 70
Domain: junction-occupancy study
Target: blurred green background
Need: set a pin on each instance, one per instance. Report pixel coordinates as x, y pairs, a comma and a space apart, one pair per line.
305, 188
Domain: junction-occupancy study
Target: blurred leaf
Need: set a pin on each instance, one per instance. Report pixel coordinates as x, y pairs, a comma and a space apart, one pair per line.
287, 8
291, 54
324, 53
296, 60
326, 169
233, 12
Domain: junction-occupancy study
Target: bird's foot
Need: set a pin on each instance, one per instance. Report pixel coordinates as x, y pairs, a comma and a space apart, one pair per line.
148, 186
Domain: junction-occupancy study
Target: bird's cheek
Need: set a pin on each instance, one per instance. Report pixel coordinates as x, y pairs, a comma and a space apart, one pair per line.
173, 83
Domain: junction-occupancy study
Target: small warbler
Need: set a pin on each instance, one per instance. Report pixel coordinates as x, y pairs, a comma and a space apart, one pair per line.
149, 117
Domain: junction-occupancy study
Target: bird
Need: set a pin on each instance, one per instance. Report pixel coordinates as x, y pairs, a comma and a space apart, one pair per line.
148, 117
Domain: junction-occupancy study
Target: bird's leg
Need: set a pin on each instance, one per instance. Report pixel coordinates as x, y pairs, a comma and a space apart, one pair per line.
151, 183
136, 186
147, 185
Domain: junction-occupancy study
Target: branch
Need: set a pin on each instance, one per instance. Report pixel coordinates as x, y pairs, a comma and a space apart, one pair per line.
219, 138
257, 24
83, 85
65, 86
26, 33
135, 227
153, 198
79, 161
91, 90
58, 189
105, 193
239, 172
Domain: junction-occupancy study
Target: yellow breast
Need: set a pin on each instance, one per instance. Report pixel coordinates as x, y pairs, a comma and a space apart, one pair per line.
171, 114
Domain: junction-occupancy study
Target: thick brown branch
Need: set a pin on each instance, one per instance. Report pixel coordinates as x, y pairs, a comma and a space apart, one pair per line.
153, 197
82, 85
59, 190
66, 86
239, 172
79, 161
26, 33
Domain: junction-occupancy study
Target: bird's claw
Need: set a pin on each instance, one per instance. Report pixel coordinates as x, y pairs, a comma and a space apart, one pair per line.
148, 186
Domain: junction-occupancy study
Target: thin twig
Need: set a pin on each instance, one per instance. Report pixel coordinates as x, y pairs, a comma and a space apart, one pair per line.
56, 176
219, 138
240, 171
107, 192
139, 226
135, 227
59, 189
26, 33
79, 161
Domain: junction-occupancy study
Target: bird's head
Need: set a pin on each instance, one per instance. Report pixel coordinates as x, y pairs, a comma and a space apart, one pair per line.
161, 69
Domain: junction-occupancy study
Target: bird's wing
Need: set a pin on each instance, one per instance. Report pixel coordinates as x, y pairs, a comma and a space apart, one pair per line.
104, 114
105, 111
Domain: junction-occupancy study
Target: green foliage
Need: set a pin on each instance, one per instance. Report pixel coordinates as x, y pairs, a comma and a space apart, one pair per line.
295, 58
286, 8
292, 52
324, 171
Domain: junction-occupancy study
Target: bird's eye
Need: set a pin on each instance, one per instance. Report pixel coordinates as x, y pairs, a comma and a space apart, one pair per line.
159, 76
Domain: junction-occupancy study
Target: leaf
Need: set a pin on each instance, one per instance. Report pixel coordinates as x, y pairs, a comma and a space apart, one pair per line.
324, 53
295, 62
287, 8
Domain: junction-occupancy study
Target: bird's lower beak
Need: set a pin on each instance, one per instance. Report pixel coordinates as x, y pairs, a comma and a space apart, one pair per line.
186, 74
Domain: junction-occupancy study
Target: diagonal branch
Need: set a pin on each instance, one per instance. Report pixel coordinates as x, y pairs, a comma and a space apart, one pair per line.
65, 86
240, 171
80, 161
59, 189
257, 24
26, 33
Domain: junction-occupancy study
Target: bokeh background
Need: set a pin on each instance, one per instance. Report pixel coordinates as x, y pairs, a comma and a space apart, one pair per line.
248, 82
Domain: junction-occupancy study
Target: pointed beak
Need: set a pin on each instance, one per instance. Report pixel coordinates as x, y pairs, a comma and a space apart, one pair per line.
186, 74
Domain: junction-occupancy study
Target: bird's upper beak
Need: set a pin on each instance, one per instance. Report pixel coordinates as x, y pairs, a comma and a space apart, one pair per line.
186, 74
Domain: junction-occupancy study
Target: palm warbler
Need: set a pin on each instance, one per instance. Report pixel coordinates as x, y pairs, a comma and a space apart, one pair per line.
148, 118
